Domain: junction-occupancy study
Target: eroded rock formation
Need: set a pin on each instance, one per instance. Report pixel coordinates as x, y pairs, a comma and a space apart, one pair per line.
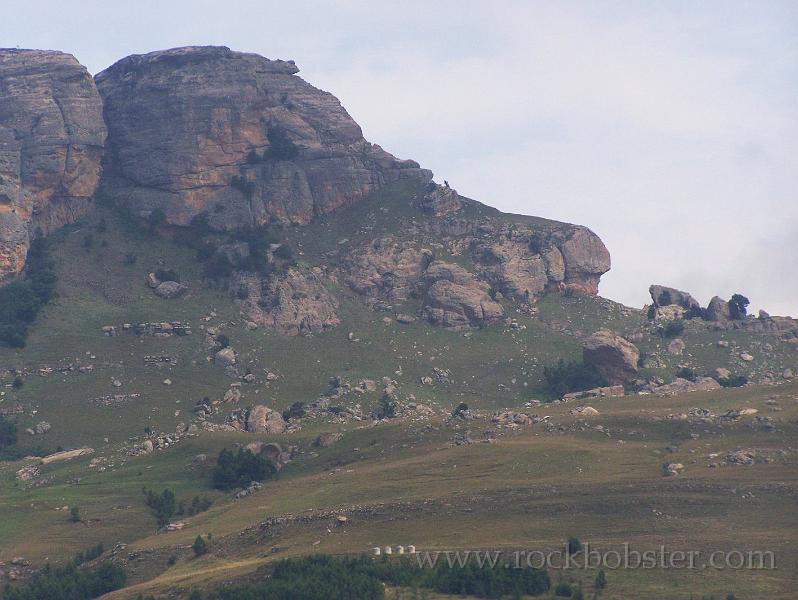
613, 356
51, 142
237, 136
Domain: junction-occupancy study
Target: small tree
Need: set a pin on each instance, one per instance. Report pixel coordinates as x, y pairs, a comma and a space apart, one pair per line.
8, 433
461, 408
200, 546
18, 382
574, 545
74, 514
738, 306
601, 580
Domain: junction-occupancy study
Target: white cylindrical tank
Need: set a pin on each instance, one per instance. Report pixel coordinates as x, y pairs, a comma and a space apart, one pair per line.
400, 549
376, 551
411, 549
388, 550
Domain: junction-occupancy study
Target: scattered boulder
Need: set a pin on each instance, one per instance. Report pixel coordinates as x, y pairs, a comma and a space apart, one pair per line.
170, 289
668, 296
262, 419
328, 439
585, 411
683, 386
65, 455
225, 357
722, 373
612, 391
746, 357
613, 356
672, 469
676, 346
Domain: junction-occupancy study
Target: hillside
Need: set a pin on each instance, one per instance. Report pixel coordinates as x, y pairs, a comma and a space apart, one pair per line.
248, 270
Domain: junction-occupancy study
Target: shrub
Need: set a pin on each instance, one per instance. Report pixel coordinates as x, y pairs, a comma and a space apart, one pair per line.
8, 433
222, 341
17, 383
461, 408
21, 301
284, 252
296, 410
572, 376
280, 145
241, 469
162, 505
733, 381
217, 268
243, 185
601, 580
200, 546
738, 306
574, 545
74, 514
155, 219
563, 589
672, 329
69, 583
686, 373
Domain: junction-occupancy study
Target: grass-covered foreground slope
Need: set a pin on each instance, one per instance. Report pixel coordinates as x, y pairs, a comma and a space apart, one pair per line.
600, 479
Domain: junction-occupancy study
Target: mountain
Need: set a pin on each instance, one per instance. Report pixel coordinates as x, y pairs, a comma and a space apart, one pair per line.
217, 260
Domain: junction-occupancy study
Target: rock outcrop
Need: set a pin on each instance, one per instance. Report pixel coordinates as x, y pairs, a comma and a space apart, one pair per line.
51, 143
292, 303
667, 296
236, 136
455, 298
718, 310
523, 261
386, 268
613, 356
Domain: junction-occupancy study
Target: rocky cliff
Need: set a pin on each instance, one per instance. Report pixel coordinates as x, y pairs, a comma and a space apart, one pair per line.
51, 142
236, 136
243, 141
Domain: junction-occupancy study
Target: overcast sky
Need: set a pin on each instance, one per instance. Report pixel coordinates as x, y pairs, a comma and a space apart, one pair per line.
669, 128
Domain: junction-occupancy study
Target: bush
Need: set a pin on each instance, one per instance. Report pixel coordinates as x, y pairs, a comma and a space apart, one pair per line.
563, 589
574, 546
284, 252
601, 580
733, 381
155, 219
241, 469
222, 341
243, 185
461, 408
280, 145
162, 505
21, 301
686, 373
738, 306
200, 546
70, 583
74, 514
672, 329
8, 433
297, 410
572, 376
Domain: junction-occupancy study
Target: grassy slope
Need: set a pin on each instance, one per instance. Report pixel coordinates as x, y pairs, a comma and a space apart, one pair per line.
530, 490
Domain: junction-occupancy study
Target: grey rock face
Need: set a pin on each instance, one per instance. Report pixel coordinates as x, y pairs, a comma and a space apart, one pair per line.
194, 128
51, 143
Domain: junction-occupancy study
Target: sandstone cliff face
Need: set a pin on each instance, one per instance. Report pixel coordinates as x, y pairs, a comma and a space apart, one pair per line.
51, 142
235, 135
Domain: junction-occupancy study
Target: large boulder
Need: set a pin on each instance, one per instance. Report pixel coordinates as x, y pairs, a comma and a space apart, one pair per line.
718, 310
262, 419
236, 136
613, 356
455, 298
666, 296
52, 136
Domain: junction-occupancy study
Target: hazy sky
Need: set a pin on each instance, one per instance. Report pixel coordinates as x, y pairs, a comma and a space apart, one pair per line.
669, 128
